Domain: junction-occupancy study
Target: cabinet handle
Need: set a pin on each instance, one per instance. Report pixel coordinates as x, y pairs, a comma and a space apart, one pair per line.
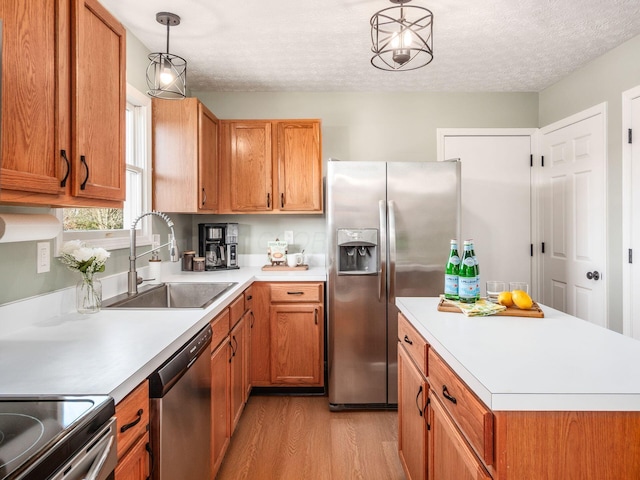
315, 315
295, 293
63, 182
426, 414
282, 200
235, 350
253, 320
249, 297
445, 394
420, 411
204, 197
83, 160
126, 427
408, 340
233, 353
268, 200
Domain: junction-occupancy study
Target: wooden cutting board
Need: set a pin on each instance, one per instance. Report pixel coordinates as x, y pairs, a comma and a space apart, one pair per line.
535, 311
274, 268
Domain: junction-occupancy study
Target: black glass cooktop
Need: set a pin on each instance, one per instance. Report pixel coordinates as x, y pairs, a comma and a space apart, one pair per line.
39, 434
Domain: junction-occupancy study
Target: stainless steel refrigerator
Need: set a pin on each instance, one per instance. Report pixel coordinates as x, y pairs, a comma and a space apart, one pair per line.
389, 225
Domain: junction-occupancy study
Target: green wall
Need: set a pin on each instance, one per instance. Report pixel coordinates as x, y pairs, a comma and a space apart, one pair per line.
602, 80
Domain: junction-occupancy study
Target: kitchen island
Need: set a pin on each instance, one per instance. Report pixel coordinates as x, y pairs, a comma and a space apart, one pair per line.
519, 398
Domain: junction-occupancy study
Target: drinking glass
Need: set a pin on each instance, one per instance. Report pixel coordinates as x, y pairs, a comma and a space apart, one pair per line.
494, 287
524, 286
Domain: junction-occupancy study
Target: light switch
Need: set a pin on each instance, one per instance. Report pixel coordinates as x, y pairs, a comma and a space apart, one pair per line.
288, 237
43, 257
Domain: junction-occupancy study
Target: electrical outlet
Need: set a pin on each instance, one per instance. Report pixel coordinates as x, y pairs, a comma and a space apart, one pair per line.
43, 257
288, 237
155, 241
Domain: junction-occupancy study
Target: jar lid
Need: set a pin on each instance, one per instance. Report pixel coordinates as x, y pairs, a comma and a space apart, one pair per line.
189, 252
198, 259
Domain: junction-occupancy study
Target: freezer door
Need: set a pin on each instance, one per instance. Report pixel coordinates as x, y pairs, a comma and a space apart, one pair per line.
356, 304
424, 215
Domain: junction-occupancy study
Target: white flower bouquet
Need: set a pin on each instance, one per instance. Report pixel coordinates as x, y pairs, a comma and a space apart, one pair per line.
86, 260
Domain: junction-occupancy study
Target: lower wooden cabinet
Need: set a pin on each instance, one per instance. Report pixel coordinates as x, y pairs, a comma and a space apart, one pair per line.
135, 465
287, 338
237, 371
412, 417
132, 423
220, 381
449, 454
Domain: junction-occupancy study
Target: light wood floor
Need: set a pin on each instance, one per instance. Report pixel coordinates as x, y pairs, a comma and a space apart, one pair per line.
298, 438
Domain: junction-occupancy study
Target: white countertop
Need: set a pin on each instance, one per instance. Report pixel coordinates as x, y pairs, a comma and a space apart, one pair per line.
112, 351
558, 362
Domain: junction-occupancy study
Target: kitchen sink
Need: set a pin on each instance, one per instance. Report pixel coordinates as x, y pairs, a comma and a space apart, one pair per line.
171, 295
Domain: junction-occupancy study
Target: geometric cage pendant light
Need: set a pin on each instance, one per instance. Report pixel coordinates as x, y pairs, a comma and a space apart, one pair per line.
167, 73
402, 37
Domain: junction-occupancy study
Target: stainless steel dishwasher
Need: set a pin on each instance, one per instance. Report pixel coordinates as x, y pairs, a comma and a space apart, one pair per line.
180, 421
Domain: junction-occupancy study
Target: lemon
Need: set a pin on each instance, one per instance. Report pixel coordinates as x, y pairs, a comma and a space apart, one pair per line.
521, 299
504, 298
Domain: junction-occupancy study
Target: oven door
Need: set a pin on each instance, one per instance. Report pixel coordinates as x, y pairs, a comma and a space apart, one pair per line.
96, 460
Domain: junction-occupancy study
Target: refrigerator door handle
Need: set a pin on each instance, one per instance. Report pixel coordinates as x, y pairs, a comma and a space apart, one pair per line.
392, 251
382, 271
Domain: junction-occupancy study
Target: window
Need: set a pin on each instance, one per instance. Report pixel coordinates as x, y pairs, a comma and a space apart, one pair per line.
109, 227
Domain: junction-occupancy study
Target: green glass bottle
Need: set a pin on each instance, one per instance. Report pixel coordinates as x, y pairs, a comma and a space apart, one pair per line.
451, 273
467, 275
475, 260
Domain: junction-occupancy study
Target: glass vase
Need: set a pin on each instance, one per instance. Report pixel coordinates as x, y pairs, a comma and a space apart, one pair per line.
88, 295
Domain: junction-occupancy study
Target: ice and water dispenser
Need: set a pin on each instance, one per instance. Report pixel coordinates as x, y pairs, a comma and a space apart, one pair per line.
358, 251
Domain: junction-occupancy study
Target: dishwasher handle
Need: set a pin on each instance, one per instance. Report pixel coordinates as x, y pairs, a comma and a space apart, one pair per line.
161, 381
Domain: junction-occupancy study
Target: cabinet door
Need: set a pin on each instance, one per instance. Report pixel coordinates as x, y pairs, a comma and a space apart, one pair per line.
207, 159
296, 344
299, 165
220, 411
449, 454
135, 464
412, 426
250, 167
30, 161
98, 106
236, 343
261, 335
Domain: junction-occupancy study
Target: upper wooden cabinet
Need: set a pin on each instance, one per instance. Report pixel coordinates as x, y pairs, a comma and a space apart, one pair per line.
271, 166
185, 157
63, 104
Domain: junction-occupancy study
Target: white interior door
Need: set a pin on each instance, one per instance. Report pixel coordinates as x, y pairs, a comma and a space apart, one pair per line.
573, 192
631, 213
496, 198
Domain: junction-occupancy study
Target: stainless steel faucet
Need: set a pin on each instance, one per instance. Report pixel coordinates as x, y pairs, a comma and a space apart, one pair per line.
134, 280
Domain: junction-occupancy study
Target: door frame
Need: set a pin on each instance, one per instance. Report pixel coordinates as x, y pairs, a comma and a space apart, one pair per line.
627, 214
533, 134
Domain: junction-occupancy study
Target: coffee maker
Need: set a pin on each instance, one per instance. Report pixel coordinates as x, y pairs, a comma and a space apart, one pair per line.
218, 244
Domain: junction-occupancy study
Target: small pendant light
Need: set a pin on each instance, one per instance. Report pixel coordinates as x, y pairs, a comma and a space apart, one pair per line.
402, 37
167, 73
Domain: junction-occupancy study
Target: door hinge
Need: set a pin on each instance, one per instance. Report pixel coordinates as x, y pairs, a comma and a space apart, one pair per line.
542, 160
531, 160
542, 247
531, 254
630, 136
630, 255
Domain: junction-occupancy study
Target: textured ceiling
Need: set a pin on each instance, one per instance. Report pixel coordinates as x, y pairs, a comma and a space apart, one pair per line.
324, 45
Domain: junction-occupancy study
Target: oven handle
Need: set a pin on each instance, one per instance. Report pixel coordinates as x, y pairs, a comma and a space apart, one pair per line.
96, 468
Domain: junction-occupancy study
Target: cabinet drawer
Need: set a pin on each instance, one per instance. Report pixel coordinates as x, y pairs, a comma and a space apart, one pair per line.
473, 418
132, 417
220, 326
236, 310
413, 342
296, 292
248, 299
